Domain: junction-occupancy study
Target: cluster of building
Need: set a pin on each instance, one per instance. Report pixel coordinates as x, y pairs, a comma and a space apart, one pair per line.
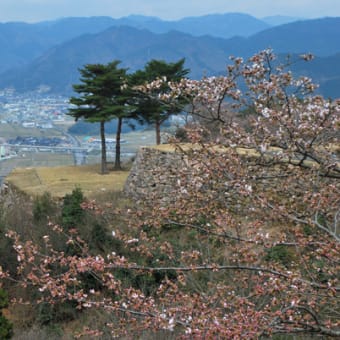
30, 110
33, 109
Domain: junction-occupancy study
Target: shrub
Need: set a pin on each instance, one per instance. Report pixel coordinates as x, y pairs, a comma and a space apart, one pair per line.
72, 212
280, 254
6, 328
51, 314
98, 238
43, 206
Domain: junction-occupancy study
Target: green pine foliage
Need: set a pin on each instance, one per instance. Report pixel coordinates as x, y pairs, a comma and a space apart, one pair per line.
101, 98
72, 213
153, 110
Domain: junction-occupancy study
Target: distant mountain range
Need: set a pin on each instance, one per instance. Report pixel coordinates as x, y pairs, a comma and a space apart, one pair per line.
277, 20
21, 42
51, 53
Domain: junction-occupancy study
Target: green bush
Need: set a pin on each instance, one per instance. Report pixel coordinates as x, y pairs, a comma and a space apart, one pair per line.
72, 212
8, 255
280, 254
6, 328
48, 314
43, 206
3, 299
99, 239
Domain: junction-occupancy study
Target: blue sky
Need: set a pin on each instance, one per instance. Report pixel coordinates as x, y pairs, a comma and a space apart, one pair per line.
38, 10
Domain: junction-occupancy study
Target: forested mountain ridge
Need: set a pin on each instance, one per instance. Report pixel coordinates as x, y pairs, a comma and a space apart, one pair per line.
205, 55
22, 42
319, 36
276, 20
134, 47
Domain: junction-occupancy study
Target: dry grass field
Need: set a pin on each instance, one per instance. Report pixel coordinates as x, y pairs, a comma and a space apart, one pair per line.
36, 173
62, 180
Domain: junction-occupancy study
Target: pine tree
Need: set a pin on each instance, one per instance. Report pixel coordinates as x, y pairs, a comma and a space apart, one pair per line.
150, 106
101, 98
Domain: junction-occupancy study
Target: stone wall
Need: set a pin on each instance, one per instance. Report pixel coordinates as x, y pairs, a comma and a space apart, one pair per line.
154, 173
13, 201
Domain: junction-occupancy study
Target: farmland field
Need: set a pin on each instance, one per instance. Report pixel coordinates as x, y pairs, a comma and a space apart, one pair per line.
14, 130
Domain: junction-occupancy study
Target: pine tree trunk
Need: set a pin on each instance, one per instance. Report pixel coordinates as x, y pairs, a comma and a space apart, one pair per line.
102, 136
118, 133
158, 132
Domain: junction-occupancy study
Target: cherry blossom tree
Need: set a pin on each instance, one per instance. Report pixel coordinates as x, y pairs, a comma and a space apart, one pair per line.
247, 247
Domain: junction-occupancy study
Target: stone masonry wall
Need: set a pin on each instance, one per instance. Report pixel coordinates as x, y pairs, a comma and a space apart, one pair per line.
154, 173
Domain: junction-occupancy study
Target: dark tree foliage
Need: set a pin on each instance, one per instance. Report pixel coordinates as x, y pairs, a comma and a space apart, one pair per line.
150, 107
72, 212
101, 98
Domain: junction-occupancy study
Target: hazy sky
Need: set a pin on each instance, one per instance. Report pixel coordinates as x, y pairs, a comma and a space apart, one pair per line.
38, 10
